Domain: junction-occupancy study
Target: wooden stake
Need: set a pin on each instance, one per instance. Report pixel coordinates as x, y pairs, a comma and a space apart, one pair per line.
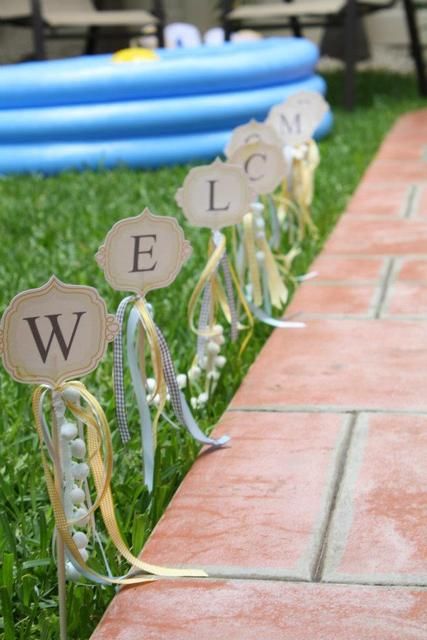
57, 420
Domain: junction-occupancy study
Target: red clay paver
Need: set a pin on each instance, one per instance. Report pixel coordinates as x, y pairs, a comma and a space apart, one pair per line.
407, 291
388, 236
314, 299
252, 507
325, 479
341, 365
263, 610
422, 202
406, 299
401, 150
378, 532
412, 269
375, 199
350, 270
406, 172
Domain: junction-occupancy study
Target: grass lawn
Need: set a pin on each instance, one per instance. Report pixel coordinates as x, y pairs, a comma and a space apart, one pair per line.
55, 225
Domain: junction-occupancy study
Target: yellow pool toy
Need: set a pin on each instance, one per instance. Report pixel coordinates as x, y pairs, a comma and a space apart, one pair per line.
135, 54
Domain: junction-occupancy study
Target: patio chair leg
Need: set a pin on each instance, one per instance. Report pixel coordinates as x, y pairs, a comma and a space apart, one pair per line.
350, 32
38, 31
227, 33
160, 36
157, 9
296, 28
416, 48
91, 41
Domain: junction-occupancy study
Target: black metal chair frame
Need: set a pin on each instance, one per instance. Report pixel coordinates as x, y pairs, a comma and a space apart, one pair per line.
41, 30
348, 19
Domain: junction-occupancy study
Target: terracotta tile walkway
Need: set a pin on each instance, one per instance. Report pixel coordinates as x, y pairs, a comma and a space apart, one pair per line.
313, 524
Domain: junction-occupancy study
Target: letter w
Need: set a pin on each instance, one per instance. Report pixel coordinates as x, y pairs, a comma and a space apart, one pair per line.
56, 332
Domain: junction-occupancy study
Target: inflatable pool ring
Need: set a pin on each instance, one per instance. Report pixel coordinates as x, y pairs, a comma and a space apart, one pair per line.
167, 108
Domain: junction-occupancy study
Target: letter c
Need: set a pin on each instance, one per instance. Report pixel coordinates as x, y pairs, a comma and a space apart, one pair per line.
249, 162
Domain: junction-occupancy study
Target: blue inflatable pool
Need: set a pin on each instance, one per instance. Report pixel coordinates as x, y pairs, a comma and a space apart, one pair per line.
93, 111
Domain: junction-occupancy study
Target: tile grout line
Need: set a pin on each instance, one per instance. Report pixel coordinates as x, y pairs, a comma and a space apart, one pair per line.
415, 202
319, 562
408, 205
252, 577
384, 289
327, 409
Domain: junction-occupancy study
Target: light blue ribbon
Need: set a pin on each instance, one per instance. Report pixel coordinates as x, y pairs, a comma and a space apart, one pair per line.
141, 399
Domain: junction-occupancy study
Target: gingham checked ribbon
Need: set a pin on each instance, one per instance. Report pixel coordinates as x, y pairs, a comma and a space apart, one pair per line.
230, 296
170, 376
206, 304
204, 320
118, 378
179, 404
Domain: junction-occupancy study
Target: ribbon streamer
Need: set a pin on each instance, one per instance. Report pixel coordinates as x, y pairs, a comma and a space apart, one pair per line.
266, 288
298, 187
205, 320
179, 404
230, 296
140, 320
98, 440
118, 379
148, 436
214, 294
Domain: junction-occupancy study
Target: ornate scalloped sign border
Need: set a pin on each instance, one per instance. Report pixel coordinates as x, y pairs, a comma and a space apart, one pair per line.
296, 119
249, 133
143, 253
263, 164
215, 196
55, 332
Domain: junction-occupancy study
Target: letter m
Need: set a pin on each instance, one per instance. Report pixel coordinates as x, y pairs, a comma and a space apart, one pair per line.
56, 332
289, 126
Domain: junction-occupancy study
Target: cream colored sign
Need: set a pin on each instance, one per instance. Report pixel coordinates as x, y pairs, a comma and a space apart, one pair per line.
215, 195
263, 164
55, 333
143, 253
250, 133
296, 119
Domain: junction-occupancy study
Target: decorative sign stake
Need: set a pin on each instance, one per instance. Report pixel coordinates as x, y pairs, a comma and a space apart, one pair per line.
215, 196
140, 254
265, 168
295, 121
250, 133
47, 336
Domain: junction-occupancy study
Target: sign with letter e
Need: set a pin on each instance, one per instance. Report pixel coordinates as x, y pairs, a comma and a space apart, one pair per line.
143, 253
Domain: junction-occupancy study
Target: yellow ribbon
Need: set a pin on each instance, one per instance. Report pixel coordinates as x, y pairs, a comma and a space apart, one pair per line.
98, 436
250, 249
219, 297
207, 275
276, 287
156, 357
303, 185
298, 200
241, 298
